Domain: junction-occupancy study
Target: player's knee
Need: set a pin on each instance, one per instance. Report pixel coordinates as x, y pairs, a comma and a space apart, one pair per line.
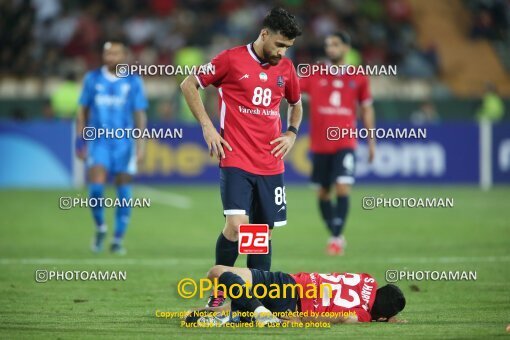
231, 230
343, 189
123, 179
323, 193
97, 174
216, 271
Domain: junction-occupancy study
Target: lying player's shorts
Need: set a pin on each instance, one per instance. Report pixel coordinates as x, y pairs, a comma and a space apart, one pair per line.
287, 300
116, 156
260, 197
333, 168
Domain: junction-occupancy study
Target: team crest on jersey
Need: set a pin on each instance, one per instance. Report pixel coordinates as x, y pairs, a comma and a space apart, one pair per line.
279, 81
338, 83
352, 84
263, 76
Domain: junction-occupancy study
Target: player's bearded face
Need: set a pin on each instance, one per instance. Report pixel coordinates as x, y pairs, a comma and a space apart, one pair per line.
335, 49
113, 54
274, 48
271, 57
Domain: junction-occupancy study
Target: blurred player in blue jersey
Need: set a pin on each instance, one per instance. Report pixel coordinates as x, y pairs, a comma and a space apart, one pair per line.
110, 102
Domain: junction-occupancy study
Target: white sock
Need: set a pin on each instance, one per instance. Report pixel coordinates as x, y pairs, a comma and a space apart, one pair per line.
261, 311
102, 228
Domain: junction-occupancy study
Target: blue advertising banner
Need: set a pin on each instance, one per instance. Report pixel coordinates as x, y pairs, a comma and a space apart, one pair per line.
449, 153
501, 153
36, 154
40, 154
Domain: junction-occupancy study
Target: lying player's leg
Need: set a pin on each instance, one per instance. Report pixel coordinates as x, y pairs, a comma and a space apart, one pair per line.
216, 271
227, 251
243, 300
261, 282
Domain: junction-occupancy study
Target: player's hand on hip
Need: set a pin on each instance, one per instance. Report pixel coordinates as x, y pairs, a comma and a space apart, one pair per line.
215, 142
283, 144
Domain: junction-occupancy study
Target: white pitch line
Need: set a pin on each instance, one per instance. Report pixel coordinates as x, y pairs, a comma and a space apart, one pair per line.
209, 261
164, 197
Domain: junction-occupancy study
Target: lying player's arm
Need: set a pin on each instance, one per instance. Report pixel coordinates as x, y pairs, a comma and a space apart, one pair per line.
81, 118
285, 142
368, 118
189, 88
140, 123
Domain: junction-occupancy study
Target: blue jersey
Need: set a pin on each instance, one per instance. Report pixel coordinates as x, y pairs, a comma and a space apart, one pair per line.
112, 101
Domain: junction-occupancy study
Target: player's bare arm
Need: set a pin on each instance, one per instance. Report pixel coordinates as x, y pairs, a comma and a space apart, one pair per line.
284, 143
81, 118
368, 118
140, 123
215, 142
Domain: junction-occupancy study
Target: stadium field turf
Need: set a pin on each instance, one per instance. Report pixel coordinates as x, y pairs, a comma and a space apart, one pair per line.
175, 238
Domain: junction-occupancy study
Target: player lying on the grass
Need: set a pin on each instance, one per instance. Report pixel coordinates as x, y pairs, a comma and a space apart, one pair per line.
345, 298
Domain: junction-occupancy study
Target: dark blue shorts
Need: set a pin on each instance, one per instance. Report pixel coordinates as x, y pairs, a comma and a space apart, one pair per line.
287, 301
333, 168
260, 197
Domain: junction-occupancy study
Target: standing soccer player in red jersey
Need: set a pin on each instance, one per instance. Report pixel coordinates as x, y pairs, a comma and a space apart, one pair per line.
334, 100
251, 81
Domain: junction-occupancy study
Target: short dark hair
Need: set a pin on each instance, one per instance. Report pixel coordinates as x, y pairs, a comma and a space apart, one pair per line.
389, 301
344, 36
280, 21
118, 41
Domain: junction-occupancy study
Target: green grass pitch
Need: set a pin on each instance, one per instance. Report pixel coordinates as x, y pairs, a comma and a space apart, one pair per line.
166, 244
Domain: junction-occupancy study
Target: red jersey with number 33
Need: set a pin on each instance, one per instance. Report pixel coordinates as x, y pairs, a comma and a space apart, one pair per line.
333, 103
250, 92
349, 293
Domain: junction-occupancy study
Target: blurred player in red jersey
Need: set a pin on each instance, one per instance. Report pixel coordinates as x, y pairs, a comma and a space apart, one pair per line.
334, 100
251, 81
351, 298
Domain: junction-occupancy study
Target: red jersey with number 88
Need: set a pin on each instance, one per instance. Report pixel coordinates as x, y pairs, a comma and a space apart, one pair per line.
353, 293
250, 92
